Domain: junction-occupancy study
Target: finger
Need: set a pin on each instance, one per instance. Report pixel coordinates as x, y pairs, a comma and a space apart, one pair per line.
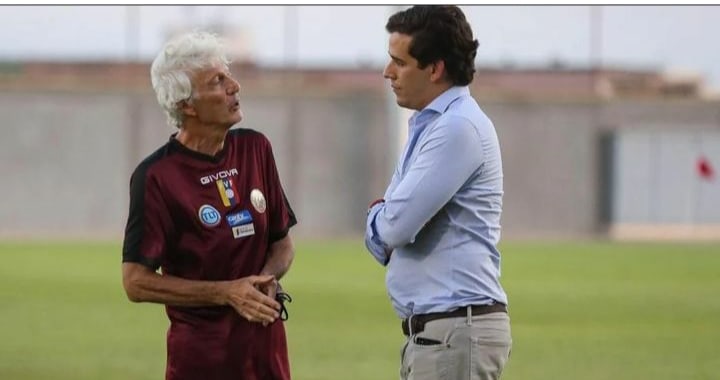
260, 297
264, 313
246, 315
256, 316
252, 310
270, 290
257, 280
256, 300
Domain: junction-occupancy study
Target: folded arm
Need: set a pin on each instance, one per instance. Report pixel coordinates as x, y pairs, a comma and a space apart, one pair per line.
446, 159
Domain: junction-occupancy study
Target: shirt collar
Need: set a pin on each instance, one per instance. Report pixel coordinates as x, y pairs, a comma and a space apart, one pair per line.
442, 102
439, 104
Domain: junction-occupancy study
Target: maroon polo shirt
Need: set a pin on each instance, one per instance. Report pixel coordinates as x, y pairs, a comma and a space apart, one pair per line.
213, 218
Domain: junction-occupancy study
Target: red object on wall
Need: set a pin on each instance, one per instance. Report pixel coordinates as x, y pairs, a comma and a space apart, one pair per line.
704, 168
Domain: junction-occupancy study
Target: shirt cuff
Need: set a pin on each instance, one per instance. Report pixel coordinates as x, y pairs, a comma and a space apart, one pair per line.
372, 240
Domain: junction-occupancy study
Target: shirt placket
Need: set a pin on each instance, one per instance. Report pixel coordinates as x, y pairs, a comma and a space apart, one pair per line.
415, 131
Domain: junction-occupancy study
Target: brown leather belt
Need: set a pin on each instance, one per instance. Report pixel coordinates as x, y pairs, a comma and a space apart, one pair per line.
417, 322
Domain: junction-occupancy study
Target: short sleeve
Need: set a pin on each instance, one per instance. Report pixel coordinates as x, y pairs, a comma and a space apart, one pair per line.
149, 222
281, 215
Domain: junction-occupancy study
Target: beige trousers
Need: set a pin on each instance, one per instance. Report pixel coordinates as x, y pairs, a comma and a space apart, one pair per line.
464, 348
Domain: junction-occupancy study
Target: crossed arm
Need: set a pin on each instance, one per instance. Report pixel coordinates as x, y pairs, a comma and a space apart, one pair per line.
444, 162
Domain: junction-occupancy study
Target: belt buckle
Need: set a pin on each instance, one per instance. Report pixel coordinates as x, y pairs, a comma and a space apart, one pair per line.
410, 325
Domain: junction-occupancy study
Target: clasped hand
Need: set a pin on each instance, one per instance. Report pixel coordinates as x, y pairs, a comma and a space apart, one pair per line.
253, 297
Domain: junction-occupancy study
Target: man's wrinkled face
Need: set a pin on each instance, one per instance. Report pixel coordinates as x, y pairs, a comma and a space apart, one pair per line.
214, 96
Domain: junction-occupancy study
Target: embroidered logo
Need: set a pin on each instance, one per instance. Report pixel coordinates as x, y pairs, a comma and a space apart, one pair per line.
219, 175
241, 223
228, 191
238, 218
243, 230
258, 200
209, 216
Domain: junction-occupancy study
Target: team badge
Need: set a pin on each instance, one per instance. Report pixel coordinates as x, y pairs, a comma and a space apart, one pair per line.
209, 216
258, 200
228, 191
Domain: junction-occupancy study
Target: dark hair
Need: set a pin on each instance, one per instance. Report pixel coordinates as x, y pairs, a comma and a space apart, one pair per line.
439, 32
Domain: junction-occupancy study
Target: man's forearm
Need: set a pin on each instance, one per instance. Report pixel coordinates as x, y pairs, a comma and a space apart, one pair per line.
280, 257
373, 242
144, 285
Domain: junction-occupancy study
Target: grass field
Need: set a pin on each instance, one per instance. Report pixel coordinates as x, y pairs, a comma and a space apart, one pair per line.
595, 311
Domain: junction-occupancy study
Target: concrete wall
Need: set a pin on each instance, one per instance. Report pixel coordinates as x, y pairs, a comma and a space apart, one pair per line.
555, 179
66, 157
658, 187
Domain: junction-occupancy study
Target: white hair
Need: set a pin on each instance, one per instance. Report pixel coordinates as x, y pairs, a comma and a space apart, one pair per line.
171, 70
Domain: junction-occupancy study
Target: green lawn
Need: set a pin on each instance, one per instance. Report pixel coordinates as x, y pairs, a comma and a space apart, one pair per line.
579, 311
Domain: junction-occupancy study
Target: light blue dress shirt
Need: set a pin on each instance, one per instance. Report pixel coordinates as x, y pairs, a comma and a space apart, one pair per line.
439, 226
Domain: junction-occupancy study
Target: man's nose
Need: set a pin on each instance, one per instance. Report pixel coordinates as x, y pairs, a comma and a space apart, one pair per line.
388, 73
234, 87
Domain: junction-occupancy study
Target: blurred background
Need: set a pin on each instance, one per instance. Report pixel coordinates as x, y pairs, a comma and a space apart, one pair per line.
609, 123
608, 116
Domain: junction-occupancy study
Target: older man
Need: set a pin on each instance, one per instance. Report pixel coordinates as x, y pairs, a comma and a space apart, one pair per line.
208, 211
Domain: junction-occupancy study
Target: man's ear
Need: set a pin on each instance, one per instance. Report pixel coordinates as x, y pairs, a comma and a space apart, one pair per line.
187, 108
437, 72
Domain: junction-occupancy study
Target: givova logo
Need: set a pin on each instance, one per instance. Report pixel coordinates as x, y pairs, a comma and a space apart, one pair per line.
219, 175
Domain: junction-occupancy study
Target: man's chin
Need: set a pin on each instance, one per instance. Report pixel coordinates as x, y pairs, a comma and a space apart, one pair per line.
232, 123
237, 118
403, 104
